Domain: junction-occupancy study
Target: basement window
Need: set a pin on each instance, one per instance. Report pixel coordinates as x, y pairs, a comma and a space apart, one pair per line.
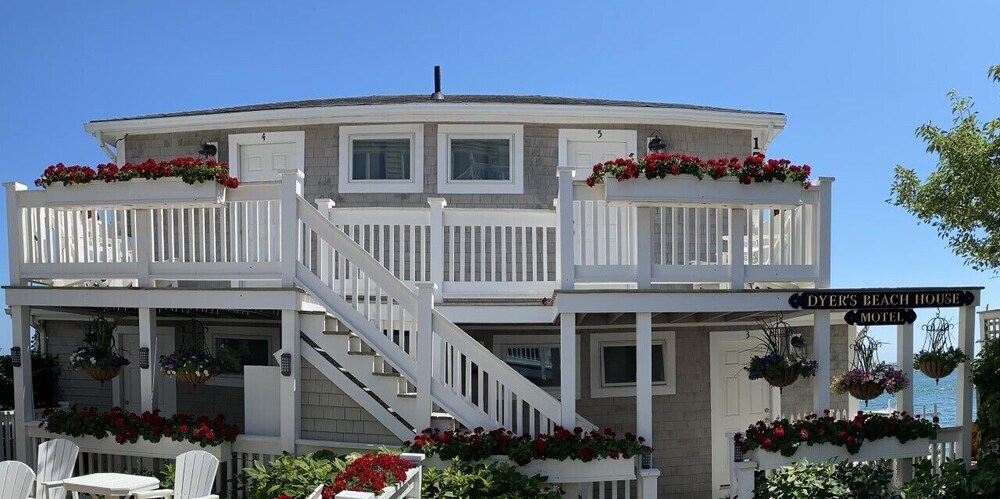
381, 158
614, 360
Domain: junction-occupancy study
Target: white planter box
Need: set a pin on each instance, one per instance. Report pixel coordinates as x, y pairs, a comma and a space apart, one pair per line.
407, 488
687, 189
164, 449
137, 193
566, 471
884, 448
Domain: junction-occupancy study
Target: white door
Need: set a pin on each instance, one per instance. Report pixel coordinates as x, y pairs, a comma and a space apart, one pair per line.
261, 162
131, 389
603, 229
737, 402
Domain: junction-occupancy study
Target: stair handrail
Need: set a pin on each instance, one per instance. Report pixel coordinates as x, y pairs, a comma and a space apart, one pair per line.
536, 397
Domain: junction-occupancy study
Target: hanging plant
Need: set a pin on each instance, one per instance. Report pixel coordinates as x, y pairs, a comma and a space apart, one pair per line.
938, 358
781, 364
99, 357
869, 377
194, 365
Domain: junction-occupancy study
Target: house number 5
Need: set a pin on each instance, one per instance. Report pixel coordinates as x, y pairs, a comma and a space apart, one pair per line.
600, 134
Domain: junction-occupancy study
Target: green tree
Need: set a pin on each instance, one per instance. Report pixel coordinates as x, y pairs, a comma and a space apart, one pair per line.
961, 197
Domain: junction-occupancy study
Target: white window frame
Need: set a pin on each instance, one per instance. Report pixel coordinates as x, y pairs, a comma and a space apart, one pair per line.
273, 337
414, 132
502, 342
514, 133
597, 343
297, 137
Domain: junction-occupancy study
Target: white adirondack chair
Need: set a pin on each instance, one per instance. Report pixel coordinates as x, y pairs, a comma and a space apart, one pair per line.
194, 476
16, 479
56, 459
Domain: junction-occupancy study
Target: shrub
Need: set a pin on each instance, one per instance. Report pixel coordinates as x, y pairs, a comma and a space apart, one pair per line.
954, 482
829, 480
293, 476
485, 481
986, 377
45, 372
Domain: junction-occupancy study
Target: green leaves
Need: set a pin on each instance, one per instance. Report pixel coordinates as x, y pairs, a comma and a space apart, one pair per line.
829, 480
961, 197
485, 480
295, 476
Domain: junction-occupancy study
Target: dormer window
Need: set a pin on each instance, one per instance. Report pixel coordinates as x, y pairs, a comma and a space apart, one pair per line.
381, 158
481, 159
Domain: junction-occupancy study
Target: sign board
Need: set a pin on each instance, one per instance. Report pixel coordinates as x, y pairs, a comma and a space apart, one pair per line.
885, 299
880, 317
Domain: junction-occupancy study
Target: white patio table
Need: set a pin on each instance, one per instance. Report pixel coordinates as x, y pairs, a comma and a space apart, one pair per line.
109, 484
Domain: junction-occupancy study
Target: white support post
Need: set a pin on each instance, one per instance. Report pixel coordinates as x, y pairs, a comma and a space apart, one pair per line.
291, 189
644, 247
147, 339
737, 244
289, 387
821, 341
644, 393
143, 246
963, 411
15, 234
325, 207
24, 401
564, 240
567, 359
904, 399
437, 245
823, 230
425, 353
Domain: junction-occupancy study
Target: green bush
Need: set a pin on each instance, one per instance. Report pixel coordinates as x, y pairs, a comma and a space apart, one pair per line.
954, 482
294, 476
485, 481
45, 372
829, 480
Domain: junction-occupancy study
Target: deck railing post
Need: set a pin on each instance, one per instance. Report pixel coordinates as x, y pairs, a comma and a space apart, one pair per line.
143, 246
291, 236
425, 352
437, 245
737, 246
644, 247
564, 226
15, 233
325, 207
824, 220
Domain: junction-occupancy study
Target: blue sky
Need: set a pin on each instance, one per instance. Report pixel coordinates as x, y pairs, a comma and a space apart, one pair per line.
854, 78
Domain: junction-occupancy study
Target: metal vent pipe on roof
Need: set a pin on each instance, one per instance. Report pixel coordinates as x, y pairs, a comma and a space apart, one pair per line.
437, 95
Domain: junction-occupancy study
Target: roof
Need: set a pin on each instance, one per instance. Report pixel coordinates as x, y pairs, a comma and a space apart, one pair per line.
378, 100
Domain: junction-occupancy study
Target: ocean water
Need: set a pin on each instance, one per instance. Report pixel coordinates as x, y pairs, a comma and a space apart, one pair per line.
925, 394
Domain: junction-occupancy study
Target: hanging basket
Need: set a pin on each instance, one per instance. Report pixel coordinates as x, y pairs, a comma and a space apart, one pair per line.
935, 369
866, 391
102, 373
787, 376
193, 378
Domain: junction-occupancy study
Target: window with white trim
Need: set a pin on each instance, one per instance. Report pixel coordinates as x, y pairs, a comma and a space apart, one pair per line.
613, 364
536, 358
481, 159
381, 158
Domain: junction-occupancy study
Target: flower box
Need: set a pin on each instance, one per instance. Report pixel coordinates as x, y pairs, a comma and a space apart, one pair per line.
565, 471
687, 189
407, 488
165, 192
164, 449
884, 448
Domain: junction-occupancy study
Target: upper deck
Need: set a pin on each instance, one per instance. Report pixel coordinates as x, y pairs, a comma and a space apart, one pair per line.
590, 239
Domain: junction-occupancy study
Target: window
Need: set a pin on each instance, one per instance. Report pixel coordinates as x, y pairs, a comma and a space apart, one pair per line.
614, 361
481, 159
381, 158
238, 352
536, 358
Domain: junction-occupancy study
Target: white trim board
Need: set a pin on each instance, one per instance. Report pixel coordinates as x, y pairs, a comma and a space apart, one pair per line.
236, 140
441, 112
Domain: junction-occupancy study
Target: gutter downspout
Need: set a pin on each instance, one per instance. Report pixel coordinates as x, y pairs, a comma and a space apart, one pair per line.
99, 136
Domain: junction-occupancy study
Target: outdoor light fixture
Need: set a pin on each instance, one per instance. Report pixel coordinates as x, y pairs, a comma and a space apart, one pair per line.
144, 357
656, 143
286, 364
15, 356
208, 150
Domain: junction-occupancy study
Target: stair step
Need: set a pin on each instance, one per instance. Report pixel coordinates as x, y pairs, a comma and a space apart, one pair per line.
407, 395
388, 375
335, 332
369, 353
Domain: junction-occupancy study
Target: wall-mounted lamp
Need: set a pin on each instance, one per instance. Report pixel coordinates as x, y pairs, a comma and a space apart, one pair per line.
656, 143
286, 364
15, 356
144, 357
208, 149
